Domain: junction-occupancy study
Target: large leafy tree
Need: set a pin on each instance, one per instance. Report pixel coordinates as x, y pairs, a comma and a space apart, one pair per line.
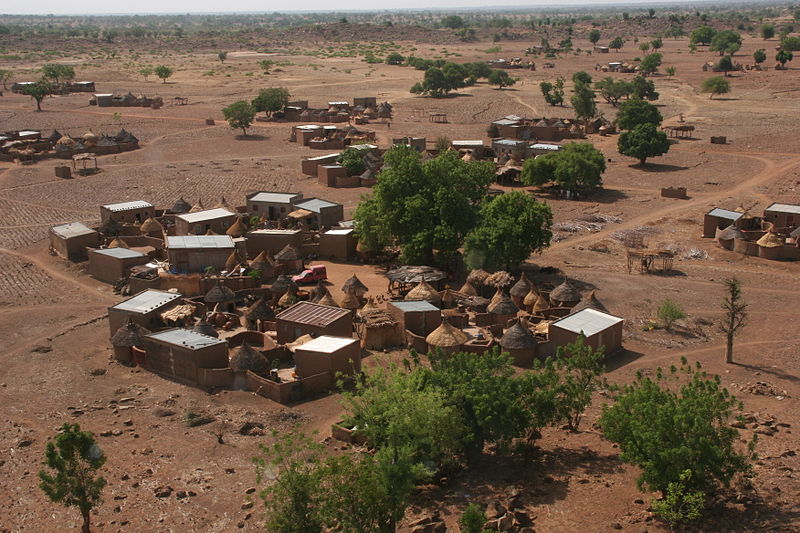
643, 88
58, 72
583, 101
553, 92
240, 115
501, 78
642, 142
651, 62
635, 112
702, 35
438, 81
423, 206
616, 43
271, 100
783, 57
512, 226
38, 91
72, 459
578, 166
613, 90
580, 368
594, 36
759, 56
163, 72
726, 42
676, 421
715, 85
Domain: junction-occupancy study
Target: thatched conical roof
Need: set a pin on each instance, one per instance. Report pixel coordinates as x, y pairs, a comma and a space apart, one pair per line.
320, 292
237, 229
542, 303
129, 334
770, 240
468, 289
424, 291
288, 299
353, 284
151, 225
231, 261
502, 304
350, 301
282, 284
531, 297
477, 277
245, 358
518, 337
328, 300
289, 253
566, 292
731, 232
259, 311
447, 336
196, 208
117, 243
590, 302
522, 287
261, 259
211, 232
181, 206
219, 293
501, 278
203, 327
224, 205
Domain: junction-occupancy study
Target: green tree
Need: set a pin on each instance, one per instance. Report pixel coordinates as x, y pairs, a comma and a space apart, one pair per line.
453, 22
783, 57
643, 141
668, 424
395, 59
790, 43
643, 88
472, 520
163, 72
577, 167
715, 85
553, 92
651, 62
583, 101
512, 226
726, 42
265, 65
644, 47
435, 83
353, 160
581, 77
594, 36
635, 112
669, 312
222, 56
702, 35
616, 43
679, 504
657, 43
5, 76
501, 79
725, 64
72, 459
735, 315
759, 56
423, 206
146, 72
58, 72
240, 115
613, 90
580, 368
670, 71
767, 31
271, 100
38, 91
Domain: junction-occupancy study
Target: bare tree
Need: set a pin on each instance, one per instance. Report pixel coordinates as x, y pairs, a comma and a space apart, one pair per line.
735, 314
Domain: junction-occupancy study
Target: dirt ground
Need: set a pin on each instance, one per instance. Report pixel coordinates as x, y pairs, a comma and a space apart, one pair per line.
55, 358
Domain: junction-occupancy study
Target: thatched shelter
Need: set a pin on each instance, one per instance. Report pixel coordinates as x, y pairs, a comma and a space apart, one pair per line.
566, 295
245, 358
353, 285
590, 302
520, 343
116, 242
152, 227
204, 327
468, 289
542, 304
530, 299
319, 292
211, 232
180, 206
264, 264
196, 208
288, 299
477, 277
127, 337
502, 307
424, 291
237, 229
258, 312
447, 337
232, 261
520, 290
402, 278
282, 284
378, 329
290, 258
328, 300
499, 279
350, 301
220, 295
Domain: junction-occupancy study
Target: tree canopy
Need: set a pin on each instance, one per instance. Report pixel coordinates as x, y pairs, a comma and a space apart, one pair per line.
635, 112
783, 57
616, 43
240, 115
38, 91
583, 101
58, 72
553, 92
438, 82
613, 90
501, 78
726, 42
353, 160
163, 72
702, 35
594, 36
577, 166
651, 62
759, 56
715, 85
271, 100
643, 88
643, 141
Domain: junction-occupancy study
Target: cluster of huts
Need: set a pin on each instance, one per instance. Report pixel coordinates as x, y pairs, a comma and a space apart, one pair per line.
126, 100
775, 235
329, 171
329, 137
30, 145
513, 63
361, 111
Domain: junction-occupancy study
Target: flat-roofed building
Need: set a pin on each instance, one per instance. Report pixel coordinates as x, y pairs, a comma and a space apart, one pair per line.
272, 241
272, 205
419, 317
600, 329
144, 309
306, 318
328, 354
719, 218
325, 213
71, 240
338, 243
133, 212
194, 253
218, 220
785, 217
181, 353
111, 264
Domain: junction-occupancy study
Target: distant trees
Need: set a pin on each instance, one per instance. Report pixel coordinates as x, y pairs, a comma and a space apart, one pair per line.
163, 72
613, 90
643, 141
453, 22
501, 79
767, 31
395, 59
266, 65
635, 112
5, 76
616, 43
240, 115
670, 71
759, 56
438, 82
222, 56
553, 92
146, 72
651, 62
38, 91
58, 72
657, 43
594, 36
576, 167
725, 64
702, 35
783, 57
726, 42
735, 317
715, 85
581, 76
790, 43
72, 459
271, 100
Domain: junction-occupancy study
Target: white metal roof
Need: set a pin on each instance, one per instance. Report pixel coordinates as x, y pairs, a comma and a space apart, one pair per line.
127, 206
588, 321
546, 146
274, 232
509, 142
28, 133
784, 208
506, 122
337, 154
725, 213
199, 241
346, 231
414, 305
208, 214
467, 143
146, 301
73, 229
119, 253
275, 197
186, 338
308, 127
364, 146
327, 344
315, 205
339, 103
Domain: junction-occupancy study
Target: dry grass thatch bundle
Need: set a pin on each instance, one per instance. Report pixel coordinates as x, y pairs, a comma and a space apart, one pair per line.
130, 334
499, 279
424, 291
447, 336
245, 358
518, 337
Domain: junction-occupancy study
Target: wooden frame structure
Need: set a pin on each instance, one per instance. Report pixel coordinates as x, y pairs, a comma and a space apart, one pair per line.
646, 258
438, 118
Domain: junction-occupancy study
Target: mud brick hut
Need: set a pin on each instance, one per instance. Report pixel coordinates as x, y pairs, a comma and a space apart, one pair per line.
112, 264
143, 309
310, 166
418, 317
784, 217
600, 329
194, 253
719, 218
306, 318
338, 243
134, 212
324, 213
378, 329
71, 240
328, 354
218, 220
272, 205
181, 353
520, 343
272, 241
516, 150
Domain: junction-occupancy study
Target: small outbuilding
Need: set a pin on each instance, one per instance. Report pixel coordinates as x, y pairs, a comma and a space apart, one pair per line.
418, 317
111, 264
600, 329
520, 343
719, 218
324, 213
447, 338
272, 241
71, 240
128, 337
378, 329
144, 309
306, 318
272, 205
194, 253
328, 354
785, 217
338, 243
181, 353
134, 212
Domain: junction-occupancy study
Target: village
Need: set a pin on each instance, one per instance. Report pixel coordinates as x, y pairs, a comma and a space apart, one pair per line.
174, 277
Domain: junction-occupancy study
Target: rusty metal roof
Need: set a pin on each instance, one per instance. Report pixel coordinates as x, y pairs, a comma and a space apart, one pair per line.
313, 314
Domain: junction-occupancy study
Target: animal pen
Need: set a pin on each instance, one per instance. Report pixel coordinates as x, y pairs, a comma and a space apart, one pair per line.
679, 132
647, 258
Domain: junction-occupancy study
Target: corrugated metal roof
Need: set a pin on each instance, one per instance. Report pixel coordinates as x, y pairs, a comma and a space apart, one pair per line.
545, 146
509, 142
186, 338
784, 208
347, 231
119, 253
467, 143
724, 213
146, 301
199, 241
327, 344
312, 314
275, 197
73, 229
208, 214
127, 206
315, 205
589, 321
506, 122
274, 232
337, 154
308, 127
414, 306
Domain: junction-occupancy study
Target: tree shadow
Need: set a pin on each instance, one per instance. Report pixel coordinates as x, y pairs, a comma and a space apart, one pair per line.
602, 196
756, 515
251, 137
622, 357
658, 167
725, 99
768, 370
